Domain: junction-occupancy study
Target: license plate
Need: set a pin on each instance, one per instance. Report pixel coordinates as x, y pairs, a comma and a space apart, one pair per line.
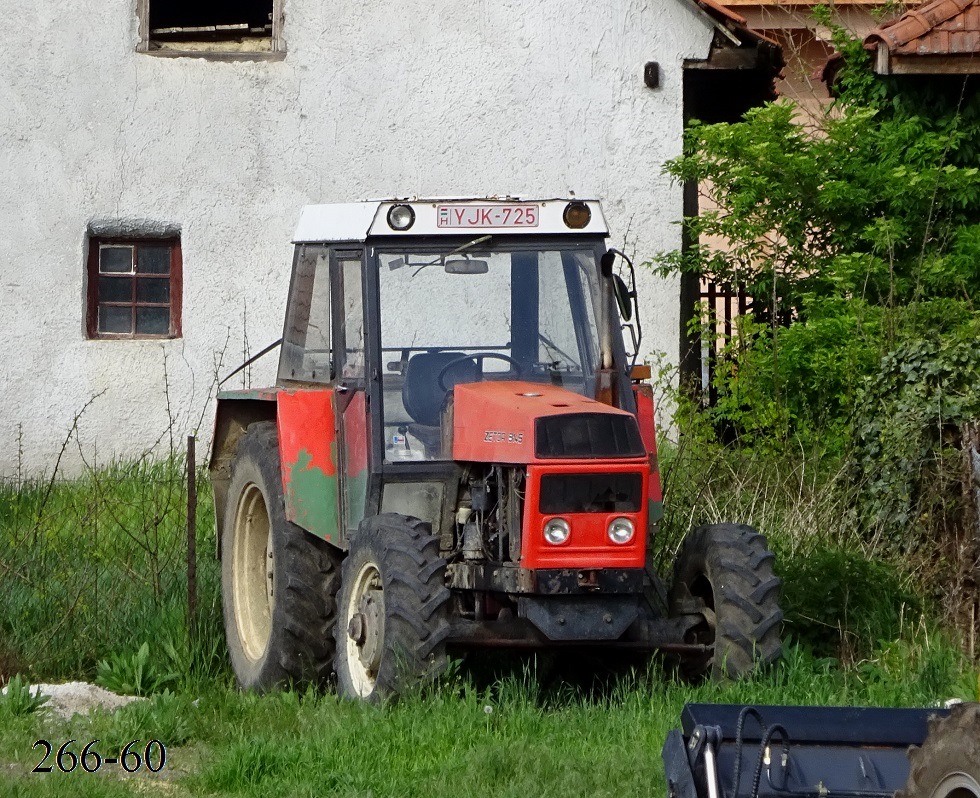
471, 216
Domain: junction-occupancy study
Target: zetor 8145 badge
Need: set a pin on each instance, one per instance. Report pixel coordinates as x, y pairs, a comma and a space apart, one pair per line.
498, 436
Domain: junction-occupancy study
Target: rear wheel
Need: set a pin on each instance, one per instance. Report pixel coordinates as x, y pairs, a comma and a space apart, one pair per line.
394, 607
724, 573
948, 763
278, 581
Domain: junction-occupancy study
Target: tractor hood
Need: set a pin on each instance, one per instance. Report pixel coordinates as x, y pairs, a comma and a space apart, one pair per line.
527, 422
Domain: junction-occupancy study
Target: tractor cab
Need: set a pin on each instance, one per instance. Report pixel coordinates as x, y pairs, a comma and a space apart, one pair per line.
452, 294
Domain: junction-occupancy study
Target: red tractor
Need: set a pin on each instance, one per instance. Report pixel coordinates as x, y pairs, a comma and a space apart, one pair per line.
456, 455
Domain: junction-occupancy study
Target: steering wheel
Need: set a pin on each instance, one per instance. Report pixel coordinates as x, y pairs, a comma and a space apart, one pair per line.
479, 357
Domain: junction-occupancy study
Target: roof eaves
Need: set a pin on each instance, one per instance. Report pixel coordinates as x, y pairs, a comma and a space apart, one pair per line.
915, 24
733, 26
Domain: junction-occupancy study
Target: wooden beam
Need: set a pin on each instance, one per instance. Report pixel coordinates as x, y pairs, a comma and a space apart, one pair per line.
728, 58
931, 65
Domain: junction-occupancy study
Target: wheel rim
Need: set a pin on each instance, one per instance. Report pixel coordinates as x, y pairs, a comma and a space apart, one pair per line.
957, 785
253, 572
365, 623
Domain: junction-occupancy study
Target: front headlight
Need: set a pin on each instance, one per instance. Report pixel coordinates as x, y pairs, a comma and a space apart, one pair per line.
620, 530
556, 531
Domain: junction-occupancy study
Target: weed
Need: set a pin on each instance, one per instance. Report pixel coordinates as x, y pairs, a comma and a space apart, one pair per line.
166, 717
135, 673
17, 699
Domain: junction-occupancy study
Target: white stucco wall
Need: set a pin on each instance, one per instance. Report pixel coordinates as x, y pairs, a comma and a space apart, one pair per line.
373, 99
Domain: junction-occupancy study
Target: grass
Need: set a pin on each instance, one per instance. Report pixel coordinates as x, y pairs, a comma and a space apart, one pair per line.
96, 567
516, 737
92, 570
845, 588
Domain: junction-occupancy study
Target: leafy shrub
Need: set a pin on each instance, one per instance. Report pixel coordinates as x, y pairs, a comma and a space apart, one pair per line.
18, 699
905, 457
134, 673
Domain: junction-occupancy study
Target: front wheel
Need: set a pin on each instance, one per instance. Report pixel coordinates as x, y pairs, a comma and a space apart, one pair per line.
948, 763
393, 609
724, 573
278, 582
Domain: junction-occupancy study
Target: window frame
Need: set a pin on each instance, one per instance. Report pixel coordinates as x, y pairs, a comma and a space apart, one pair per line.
276, 51
95, 243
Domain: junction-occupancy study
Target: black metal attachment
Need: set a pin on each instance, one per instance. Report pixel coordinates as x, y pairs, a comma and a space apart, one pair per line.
791, 752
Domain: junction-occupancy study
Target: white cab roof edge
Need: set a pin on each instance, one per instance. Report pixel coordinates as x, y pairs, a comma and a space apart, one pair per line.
341, 221
356, 221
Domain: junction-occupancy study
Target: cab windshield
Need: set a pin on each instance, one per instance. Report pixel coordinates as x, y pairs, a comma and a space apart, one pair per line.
476, 314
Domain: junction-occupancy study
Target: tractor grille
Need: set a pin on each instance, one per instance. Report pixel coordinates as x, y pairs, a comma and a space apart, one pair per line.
587, 435
590, 493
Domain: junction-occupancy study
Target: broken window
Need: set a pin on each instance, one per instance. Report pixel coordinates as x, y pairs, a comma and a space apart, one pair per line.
134, 288
221, 26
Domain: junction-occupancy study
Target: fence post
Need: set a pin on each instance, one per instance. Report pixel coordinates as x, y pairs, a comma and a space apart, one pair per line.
191, 542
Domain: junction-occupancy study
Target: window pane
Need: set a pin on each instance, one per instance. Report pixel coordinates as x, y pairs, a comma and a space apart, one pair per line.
149, 289
306, 354
116, 260
115, 319
353, 318
154, 259
115, 289
152, 321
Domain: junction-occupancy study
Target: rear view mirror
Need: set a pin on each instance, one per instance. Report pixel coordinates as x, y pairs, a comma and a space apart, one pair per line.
623, 297
467, 266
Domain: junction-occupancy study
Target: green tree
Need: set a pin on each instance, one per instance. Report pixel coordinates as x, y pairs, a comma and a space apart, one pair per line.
855, 234
858, 237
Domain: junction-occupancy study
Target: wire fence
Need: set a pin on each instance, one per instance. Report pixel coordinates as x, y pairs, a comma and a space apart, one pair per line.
100, 564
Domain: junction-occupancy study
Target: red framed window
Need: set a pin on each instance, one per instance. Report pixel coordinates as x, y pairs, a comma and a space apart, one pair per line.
134, 288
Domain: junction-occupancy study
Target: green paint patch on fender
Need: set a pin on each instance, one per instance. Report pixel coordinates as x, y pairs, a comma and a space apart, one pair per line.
311, 498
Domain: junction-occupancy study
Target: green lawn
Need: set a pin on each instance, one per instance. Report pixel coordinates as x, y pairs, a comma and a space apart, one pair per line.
514, 737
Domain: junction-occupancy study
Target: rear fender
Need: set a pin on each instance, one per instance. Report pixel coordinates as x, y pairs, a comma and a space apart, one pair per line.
236, 411
305, 423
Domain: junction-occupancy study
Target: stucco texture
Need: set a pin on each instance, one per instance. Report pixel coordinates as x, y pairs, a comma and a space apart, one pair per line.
372, 100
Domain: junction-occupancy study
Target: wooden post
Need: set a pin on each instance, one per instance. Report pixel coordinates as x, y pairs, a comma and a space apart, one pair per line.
191, 542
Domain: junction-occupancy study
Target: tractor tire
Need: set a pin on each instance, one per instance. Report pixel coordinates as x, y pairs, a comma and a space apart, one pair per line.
394, 609
278, 581
724, 573
948, 763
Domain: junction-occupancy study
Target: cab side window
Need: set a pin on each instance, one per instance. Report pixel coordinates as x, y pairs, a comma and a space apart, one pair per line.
349, 265
306, 346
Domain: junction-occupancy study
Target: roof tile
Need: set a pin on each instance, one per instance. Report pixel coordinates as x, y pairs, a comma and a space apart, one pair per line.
942, 27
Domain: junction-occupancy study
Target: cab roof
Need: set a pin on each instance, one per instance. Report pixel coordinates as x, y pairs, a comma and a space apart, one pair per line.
357, 221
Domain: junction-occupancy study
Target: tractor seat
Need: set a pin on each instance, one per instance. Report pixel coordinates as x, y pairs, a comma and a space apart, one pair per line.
422, 395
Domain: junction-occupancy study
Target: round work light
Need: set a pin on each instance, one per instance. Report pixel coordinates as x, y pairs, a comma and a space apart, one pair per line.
577, 215
401, 217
